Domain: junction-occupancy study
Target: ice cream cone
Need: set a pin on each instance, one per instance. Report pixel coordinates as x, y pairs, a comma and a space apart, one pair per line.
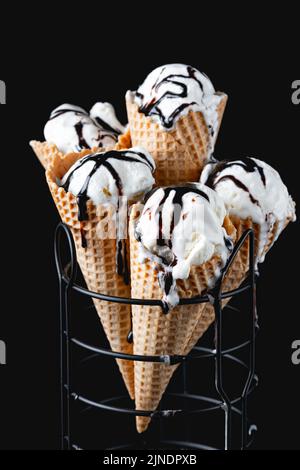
124, 141
180, 153
97, 261
156, 333
238, 270
45, 151
256, 198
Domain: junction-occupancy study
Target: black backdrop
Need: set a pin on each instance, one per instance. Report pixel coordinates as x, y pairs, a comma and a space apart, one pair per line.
256, 68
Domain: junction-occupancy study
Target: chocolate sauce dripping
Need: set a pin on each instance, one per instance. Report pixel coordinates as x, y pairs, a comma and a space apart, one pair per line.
240, 185
143, 157
247, 164
151, 108
105, 126
130, 337
250, 165
228, 243
217, 168
168, 282
160, 240
101, 159
192, 74
59, 112
81, 140
83, 238
168, 122
82, 144
130, 334
82, 197
166, 277
99, 123
180, 191
121, 251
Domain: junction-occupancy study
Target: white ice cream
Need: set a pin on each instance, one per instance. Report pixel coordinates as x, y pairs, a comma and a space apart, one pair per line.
180, 227
171, 91
71, 128
105, 115
111, 179
104, 177
251, 188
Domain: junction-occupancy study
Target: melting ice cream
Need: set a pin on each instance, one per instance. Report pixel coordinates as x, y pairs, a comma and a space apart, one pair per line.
251, 188
181, 226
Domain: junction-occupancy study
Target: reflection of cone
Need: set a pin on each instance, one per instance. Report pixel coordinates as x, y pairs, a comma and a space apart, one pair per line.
238, 270
97, 261
156, 333
179, 154
46, 151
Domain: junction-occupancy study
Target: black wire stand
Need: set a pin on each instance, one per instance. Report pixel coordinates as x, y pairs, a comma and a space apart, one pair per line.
238, 406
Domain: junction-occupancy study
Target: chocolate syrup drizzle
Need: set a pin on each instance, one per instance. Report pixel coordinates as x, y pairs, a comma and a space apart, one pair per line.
59, 112
165, 276
102, 160
152, 108
130, 337
99, 123
130, 334
82, 144
248, 164
106, 127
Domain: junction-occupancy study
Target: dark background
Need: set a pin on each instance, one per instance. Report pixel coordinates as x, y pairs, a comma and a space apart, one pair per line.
50, 65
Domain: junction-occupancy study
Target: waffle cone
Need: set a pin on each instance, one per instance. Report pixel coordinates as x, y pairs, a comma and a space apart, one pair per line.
45, 151
156, 333
97, 261
237, 271
179, 154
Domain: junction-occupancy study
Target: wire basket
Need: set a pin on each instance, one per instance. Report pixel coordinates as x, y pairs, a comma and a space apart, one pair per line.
243, 432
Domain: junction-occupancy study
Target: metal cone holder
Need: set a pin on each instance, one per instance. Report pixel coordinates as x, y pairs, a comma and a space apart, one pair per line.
238, 405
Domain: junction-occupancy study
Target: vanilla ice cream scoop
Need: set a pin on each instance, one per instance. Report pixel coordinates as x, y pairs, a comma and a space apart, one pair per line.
171, 91
104, 114
251, 188
111, 179
181, 226
107, 176
71, 128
